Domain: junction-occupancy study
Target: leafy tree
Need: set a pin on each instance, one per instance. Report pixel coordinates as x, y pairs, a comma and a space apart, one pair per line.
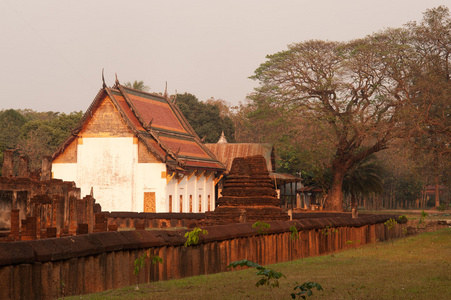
205, 118
32, 115
354, 90
137, 85
11, 122
431, 105
35, 134
365, 178
399, 166
39, 138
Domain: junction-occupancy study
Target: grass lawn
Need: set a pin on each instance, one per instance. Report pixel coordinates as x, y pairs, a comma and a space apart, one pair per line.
413, 214
418, 267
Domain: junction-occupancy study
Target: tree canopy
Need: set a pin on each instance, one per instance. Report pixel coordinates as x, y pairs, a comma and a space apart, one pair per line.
205, 118
137, 85
353, 89
360, 95
35, 134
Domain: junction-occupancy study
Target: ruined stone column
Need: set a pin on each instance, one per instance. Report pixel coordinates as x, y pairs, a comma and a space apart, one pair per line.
46, 168
15, 224
8, 164
23, 166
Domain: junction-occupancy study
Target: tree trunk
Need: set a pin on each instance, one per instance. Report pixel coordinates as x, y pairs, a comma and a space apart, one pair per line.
437, 192
335, 197
354, 207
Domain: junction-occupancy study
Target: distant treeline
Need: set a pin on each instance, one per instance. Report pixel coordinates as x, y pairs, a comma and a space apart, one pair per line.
34, 134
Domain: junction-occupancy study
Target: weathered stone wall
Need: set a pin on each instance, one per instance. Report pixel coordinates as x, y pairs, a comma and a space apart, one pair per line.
153, 220
17, 193
100, 261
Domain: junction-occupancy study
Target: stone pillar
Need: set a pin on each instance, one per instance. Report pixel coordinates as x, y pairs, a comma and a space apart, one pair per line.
112, 227
8, 163
51, 232
15, 224
100, 223
46, 168
28, 229
73, 215
23, 166
82, 228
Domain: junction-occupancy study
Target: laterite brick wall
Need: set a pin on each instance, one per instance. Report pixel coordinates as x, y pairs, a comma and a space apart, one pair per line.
51, 268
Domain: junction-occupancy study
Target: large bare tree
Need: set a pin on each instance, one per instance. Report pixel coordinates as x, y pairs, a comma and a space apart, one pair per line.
359, 89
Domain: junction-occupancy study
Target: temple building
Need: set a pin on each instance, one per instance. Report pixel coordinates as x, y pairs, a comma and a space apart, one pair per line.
135, 151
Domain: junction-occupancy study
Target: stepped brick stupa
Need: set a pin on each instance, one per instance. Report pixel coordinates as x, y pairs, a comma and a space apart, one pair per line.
248, 194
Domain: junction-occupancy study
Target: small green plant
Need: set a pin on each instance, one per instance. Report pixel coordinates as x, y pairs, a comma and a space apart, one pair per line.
349, 242
305, 289
63, 289
402, 219
261, 227
422, 218
267, 276
404, 232
294, 232
329, 229
390, 225
141, 261
271, 278
441, 207
193, 236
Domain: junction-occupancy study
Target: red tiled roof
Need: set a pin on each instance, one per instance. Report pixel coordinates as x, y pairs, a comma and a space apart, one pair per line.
157, 111
204, 165
187, 147
169, 136
123, 104
152, 144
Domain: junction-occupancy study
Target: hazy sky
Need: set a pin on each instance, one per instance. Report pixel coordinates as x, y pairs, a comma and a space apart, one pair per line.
52, 52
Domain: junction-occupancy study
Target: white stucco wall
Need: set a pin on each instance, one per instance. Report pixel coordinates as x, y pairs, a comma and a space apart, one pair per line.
181, 196
209, 191
194, 187
65, 171
171, 191
110, 166
148, 179
191, 192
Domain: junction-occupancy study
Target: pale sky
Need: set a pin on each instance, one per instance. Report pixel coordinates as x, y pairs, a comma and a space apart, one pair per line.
52, 52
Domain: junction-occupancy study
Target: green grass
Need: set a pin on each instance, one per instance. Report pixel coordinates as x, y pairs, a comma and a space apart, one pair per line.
418, 267
415, 214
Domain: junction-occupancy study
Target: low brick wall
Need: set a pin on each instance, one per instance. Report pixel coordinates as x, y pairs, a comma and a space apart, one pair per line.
153, 220
51, 268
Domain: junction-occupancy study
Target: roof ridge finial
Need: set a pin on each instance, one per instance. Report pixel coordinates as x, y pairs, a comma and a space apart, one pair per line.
166, 90
222, 139
174, 99
117, 80
103, 79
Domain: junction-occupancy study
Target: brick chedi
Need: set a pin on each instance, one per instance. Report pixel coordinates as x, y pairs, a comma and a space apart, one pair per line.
248, 194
